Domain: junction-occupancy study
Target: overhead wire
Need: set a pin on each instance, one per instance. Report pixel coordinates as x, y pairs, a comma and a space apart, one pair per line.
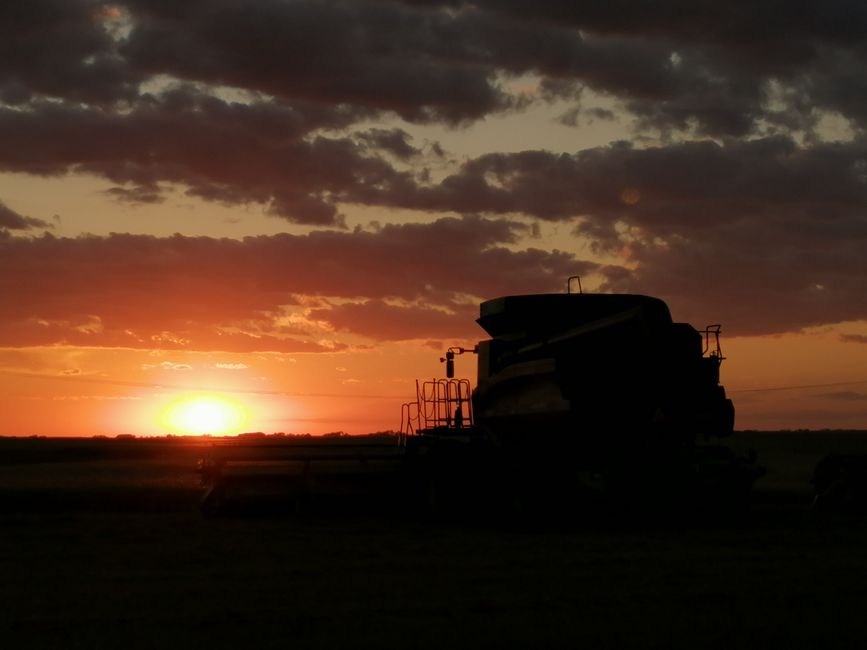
768, 389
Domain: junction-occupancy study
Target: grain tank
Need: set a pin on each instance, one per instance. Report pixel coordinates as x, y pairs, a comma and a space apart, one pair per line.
597, 370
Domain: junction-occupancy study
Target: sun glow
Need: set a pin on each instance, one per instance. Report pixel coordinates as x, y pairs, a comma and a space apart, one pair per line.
204, 414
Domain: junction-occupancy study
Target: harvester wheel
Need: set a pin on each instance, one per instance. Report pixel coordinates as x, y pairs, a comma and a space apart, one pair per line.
213, 500
840, 484
444, 480
433, 496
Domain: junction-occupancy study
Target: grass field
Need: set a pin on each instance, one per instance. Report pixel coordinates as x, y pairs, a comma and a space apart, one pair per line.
101, 546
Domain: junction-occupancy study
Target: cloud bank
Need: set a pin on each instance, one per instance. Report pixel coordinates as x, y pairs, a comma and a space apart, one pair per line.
732, 200
281, 293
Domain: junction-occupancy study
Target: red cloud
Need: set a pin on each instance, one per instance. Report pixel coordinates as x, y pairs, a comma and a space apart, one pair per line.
379, 320
217, 294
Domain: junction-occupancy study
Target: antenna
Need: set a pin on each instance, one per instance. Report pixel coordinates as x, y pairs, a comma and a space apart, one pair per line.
569, 284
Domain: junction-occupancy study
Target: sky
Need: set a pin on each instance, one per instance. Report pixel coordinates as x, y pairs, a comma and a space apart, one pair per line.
296, 206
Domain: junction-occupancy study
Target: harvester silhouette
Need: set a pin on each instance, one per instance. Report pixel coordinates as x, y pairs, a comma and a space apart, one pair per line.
579, 398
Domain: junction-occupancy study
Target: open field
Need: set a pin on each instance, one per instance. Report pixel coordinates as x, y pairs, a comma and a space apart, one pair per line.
101, 545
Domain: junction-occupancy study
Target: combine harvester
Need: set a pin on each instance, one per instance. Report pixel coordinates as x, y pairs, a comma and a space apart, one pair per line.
580, 399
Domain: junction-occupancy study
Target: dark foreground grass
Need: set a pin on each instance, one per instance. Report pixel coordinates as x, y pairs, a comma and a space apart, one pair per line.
126, 571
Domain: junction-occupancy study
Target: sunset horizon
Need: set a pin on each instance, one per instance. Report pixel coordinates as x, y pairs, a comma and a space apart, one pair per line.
218, 218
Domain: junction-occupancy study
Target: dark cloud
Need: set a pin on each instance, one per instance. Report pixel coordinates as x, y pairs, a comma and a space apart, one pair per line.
714, 66
393, 141
136, 195
765, 233
221, 151
200, 293
11, 220
755, 221
369, 54
731, 70
61, 49
689, 185
719, 69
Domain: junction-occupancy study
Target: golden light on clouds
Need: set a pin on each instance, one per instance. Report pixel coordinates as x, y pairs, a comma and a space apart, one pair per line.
108, 12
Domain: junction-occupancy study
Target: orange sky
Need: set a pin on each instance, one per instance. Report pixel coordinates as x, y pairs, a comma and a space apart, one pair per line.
300, 207
125, 391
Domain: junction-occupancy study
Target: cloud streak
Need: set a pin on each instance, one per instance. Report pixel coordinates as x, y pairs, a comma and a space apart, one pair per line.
11, 220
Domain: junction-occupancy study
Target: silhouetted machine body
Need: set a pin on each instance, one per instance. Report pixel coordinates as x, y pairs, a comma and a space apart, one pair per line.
576, 394
606, 372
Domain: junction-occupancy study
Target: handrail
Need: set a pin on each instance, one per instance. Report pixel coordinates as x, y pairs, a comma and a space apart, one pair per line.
716, 351
408, 422
440, 403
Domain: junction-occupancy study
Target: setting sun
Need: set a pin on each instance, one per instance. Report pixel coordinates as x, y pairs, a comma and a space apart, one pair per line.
204, 414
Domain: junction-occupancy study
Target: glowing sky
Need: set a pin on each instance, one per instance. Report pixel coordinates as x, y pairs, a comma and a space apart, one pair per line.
299, 204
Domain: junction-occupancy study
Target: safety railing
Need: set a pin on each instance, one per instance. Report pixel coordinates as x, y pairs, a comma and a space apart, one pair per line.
711, 342
440, 403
